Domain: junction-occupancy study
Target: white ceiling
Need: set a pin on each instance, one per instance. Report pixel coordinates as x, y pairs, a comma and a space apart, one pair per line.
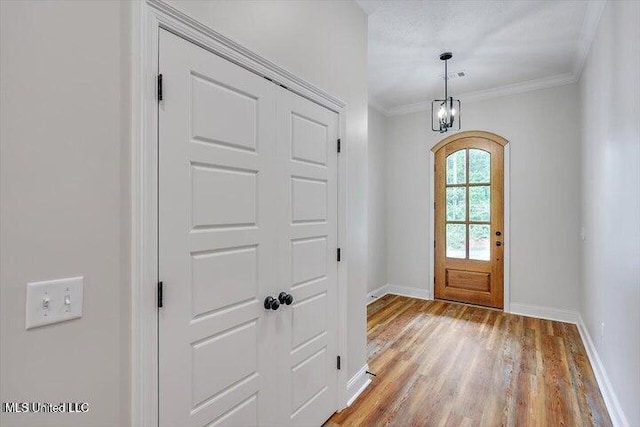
503, 46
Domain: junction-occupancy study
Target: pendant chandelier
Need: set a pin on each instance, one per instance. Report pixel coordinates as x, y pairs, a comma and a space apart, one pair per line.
445, 112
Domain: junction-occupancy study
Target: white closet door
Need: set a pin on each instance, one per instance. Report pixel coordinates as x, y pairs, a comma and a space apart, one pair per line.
307, 237
217, 240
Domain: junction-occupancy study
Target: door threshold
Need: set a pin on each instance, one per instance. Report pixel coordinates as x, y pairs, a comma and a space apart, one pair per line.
469, 304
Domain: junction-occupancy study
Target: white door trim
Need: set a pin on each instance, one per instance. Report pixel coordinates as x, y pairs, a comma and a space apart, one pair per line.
507, 225
148, 17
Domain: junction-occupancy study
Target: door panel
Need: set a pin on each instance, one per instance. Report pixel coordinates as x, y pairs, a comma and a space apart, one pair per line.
471, 280
307, 374
216, 240
309, 200
237, 268
469, 221
223, 196
222, 360
309, 259
216, 110
309, 140
243, 414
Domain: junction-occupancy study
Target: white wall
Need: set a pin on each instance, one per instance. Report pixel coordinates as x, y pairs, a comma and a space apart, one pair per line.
64, 204
408, 200
542, 128
326, 44
610, 99
377, 257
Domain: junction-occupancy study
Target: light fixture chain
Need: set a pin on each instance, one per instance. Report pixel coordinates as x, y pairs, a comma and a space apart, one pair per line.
446, 80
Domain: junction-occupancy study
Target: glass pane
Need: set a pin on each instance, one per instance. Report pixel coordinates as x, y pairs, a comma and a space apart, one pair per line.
456, 240
479, 242
456, 204
457, 167
480, 203
479, 166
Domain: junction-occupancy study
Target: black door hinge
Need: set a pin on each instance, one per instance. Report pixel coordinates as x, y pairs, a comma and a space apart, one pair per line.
338, 145
159, 294
159, 87
338, 363
338, 255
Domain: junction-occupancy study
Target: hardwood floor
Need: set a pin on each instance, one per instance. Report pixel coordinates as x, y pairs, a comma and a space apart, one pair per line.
446, 364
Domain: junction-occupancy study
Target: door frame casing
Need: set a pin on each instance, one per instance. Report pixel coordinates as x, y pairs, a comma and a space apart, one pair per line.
147, 18
507, 214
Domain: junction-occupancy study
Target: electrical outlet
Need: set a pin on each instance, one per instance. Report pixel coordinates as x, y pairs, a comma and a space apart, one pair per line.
53, 301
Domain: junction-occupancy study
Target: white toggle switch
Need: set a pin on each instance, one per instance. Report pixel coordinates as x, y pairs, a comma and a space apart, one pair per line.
53, 301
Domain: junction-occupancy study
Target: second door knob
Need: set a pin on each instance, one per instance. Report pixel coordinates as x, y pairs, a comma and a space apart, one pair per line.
285, 298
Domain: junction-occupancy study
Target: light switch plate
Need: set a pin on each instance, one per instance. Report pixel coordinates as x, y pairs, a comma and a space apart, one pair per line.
53, 301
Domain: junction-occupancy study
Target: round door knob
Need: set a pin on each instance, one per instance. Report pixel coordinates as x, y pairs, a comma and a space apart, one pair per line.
498, 243
270, 303
285, 298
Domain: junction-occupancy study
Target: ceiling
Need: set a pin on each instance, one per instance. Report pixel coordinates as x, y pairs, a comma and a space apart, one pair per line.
502, 46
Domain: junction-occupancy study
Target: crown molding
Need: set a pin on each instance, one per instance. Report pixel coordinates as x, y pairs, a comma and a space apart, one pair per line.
369, 6
528, 86
407, 109
373, 103
595, 9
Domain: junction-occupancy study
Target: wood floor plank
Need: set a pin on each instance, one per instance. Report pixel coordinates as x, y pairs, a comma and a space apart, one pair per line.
447, 364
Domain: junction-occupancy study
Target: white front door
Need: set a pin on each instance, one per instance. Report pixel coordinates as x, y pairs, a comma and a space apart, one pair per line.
246, 209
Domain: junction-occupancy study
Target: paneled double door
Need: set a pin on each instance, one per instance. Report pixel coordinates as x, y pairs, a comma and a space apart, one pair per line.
247, 209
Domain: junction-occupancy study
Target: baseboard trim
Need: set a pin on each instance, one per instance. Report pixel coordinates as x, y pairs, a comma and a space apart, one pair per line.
408, 291
376, 294
549, 313
610, 399
405, 291
357, 384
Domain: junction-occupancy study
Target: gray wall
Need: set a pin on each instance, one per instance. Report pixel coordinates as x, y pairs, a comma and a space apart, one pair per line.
377, 201
64, 199
610, 294
542, 127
